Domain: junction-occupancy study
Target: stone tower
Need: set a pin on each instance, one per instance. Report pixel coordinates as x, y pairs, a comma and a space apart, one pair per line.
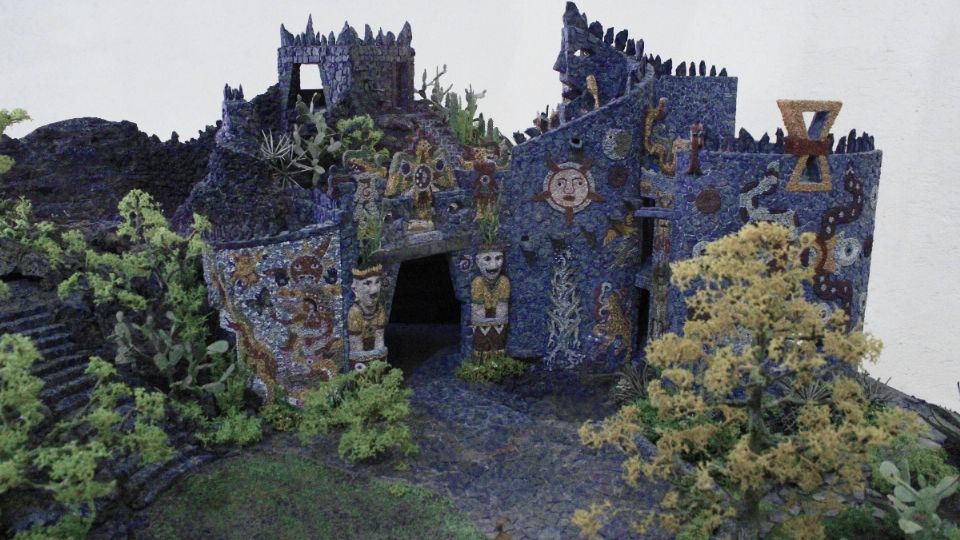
360, 76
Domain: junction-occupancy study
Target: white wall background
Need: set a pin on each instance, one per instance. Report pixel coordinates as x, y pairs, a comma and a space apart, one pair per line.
163, 64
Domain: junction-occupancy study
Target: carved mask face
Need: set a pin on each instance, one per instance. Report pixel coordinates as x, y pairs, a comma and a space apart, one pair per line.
367, 291
306, 268
569, 188
490, 263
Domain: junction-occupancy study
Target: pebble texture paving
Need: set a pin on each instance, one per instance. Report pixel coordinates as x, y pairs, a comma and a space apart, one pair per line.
513, 451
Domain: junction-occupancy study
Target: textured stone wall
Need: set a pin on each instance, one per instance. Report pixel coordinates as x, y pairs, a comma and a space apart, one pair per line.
711, 101
360, 76
565, 271
283, 300
737, 188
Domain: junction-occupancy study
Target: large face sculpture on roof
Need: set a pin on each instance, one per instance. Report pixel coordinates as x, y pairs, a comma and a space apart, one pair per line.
583, 54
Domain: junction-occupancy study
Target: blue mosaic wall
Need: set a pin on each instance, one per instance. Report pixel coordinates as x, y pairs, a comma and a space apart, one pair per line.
541, 237
740, 187
597, 199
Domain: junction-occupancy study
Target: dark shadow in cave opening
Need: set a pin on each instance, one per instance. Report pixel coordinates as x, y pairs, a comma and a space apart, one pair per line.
425, 314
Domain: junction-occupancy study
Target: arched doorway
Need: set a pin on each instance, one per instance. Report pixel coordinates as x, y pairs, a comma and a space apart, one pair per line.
424, 313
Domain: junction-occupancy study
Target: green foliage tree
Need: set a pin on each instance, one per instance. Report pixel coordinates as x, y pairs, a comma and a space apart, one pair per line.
460, 114
921, 460
370, 406
303, 156
358, 132
6, 119
157, 270
64, 461
751, 343
18, 223
154, 284
187, 366
470, 128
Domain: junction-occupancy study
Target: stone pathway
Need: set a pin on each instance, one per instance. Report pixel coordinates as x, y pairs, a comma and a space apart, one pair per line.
500, 454
507, 452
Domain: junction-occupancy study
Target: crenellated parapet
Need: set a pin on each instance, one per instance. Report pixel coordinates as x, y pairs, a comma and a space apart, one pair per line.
364, 75
598, 64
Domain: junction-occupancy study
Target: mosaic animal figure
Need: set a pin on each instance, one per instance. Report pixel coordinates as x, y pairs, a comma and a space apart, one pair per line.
665, 152
244, 273
613, 323
750, 193
258, 357
832, 248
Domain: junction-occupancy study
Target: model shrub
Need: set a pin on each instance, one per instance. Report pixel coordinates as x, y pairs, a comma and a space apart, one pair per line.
155, 279
927, 462
155, 271
64, 460
752, 342
859, 522
18, 223
460, 114
358, 132
916, 501
6, 119
370, 406
153, 287
494, 368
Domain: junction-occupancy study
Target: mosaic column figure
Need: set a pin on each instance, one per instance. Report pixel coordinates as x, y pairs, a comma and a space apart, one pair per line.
366, 318
489, 303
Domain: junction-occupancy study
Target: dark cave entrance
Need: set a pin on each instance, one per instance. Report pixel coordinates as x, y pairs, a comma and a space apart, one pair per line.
425, 313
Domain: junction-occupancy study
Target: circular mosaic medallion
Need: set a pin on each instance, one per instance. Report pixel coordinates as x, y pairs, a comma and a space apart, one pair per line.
617, 177
708, 201
616, 143
846, 251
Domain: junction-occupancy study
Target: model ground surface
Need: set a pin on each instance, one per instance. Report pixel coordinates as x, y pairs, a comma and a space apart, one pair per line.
495, 453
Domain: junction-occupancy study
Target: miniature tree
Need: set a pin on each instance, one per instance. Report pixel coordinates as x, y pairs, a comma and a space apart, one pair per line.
751, 344
157, 272
6, 119
18, 224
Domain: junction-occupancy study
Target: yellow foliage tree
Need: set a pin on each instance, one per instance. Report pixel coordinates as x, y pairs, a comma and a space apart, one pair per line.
752, 345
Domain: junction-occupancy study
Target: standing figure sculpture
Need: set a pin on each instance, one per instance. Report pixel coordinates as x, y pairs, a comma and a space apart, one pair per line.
489, 299
366, 318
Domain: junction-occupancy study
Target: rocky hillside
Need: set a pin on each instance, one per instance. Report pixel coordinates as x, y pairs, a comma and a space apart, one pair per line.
78, 169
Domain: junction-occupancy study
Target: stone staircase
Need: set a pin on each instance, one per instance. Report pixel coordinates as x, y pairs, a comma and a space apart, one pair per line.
66, 386
67, 389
